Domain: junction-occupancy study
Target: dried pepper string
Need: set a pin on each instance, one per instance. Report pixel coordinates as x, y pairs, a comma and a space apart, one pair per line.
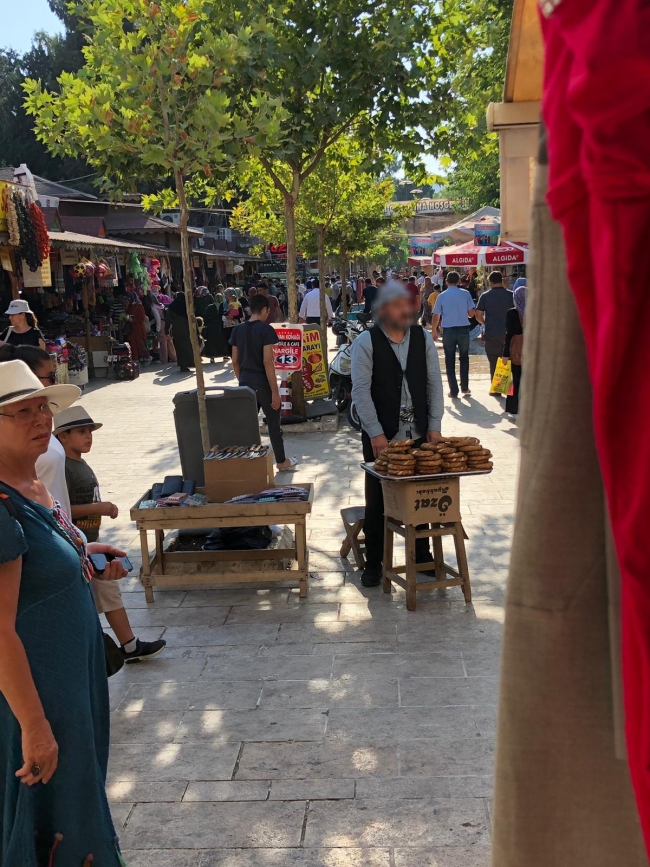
40, 230
28, 247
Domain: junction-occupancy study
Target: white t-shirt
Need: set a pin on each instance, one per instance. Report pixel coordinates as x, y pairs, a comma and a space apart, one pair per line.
50, 469
310, 306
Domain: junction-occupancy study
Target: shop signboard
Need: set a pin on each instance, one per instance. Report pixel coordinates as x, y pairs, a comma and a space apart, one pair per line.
69, 257
421, 245
287, 353
314, 370
5, 259
41, 277
487, 234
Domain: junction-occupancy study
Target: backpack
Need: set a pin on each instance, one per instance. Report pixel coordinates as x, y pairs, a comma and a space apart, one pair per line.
517, 348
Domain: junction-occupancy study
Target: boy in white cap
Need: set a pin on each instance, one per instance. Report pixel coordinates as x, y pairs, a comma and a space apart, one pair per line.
74, 429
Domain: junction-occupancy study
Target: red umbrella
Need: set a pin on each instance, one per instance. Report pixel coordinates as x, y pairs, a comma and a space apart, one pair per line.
507, 253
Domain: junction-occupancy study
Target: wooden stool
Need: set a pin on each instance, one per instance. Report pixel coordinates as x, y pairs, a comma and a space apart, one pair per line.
406, 576
353, 522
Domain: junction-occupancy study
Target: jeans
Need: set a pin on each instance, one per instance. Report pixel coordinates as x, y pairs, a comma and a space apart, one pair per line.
494, 351
373, 524
264, 398
452, 338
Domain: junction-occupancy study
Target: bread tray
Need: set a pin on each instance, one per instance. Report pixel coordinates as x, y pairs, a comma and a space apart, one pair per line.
373, 472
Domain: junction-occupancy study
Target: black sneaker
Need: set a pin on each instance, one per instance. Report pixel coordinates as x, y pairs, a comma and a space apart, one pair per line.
144, 650
372, 576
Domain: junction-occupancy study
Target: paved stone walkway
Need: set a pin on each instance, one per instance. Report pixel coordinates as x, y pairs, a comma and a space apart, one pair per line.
336, 731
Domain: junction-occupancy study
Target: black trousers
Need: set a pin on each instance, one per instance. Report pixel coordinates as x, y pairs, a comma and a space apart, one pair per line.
312, 320
494, 351
264, 399
373, 525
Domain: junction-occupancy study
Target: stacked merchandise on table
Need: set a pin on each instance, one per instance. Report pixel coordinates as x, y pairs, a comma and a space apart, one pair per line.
173, 491
286, 494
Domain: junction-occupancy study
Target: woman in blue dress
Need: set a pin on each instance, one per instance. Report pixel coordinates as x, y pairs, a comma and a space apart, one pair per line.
54, 714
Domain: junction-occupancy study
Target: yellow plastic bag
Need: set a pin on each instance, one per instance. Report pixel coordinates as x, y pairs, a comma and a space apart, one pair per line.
502, 380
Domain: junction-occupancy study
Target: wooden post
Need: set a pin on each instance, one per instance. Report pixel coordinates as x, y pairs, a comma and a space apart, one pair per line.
389, 539
321, 281
191, 317
84, 304
411, 572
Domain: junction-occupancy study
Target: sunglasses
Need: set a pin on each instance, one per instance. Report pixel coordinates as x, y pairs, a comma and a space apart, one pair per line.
51, 378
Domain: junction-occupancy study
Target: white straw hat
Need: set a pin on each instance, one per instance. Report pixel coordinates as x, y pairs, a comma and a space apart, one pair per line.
74, 416
18, 306
17, 382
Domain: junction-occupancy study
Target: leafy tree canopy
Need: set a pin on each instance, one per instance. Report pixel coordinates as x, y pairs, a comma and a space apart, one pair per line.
473, 48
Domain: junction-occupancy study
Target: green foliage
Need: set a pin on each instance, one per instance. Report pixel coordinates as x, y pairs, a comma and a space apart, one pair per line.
476, 178
340, 67
340, 197
155, 96
473, 49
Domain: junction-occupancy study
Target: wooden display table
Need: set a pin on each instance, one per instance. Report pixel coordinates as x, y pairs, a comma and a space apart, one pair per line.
183, 568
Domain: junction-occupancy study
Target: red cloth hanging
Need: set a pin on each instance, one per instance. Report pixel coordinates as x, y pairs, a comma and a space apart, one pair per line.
596, 107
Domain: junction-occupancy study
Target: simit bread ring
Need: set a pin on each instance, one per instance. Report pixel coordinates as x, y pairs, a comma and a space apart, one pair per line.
400, 473
469, 449
401, 457
430, 447
486, 466
400, 445
447, 450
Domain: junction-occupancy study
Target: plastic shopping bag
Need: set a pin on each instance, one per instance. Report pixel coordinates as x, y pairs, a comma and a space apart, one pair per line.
502, 378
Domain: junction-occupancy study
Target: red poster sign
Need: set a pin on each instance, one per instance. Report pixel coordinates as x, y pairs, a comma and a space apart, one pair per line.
287, 354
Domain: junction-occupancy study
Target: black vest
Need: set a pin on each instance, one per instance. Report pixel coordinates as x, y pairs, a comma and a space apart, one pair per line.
387, 375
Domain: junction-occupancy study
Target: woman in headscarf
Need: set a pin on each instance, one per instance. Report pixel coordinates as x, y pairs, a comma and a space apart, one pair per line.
202, 300
514, 343
137, 336
177, 324
215, 345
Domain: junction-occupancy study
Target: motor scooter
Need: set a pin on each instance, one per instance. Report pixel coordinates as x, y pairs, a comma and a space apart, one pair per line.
340, 371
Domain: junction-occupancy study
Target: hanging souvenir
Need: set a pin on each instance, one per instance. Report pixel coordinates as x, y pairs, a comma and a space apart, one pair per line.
12, 222
40, 230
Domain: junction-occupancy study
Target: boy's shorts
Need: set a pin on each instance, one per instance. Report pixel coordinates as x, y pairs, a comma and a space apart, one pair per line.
107, 595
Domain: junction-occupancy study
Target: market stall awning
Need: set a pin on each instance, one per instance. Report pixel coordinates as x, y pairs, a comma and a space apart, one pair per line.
464, 229
75, 241
420, 261
463, 255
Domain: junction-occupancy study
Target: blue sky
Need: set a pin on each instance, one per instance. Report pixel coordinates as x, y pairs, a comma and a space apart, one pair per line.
18, 29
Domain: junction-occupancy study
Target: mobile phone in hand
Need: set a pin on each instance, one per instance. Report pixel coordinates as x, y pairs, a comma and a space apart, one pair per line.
99, 562
128, 565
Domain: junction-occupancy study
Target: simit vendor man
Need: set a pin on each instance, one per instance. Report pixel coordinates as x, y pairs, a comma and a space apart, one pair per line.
397, 389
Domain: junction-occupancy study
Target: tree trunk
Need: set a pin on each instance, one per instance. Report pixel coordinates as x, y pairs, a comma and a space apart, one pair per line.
290, 225
320, 233
191, 317
344, 281
84, 304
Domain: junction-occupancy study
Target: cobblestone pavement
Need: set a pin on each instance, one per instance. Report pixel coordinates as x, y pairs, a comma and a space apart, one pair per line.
336, 731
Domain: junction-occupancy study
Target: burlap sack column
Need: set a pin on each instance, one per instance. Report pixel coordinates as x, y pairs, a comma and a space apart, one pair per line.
562, 797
